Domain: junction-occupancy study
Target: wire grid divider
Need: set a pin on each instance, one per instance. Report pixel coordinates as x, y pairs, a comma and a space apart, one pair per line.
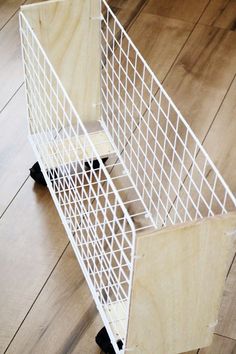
174, 175
96, 219
170, 176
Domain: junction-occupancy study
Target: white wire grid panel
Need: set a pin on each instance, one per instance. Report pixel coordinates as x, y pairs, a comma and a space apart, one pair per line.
173, 173
157, 168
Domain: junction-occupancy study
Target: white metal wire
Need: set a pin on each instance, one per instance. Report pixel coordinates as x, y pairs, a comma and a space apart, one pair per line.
157, 169
174, 175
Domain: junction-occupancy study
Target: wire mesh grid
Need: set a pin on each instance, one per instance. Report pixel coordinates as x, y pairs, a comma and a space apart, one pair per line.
174, 175
157, 170
91, 200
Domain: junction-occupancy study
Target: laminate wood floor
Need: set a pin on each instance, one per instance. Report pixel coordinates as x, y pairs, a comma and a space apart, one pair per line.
45, 304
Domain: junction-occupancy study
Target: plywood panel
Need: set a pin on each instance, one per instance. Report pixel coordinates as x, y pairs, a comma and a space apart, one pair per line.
178, 282
64, 318
32, 239
74, 52
52, 153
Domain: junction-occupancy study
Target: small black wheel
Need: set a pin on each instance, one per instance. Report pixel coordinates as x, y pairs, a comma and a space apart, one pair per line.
37, 175
95, 164
103, 341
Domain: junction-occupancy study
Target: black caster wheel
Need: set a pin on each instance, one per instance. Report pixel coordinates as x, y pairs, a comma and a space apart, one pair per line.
95, 164
37, 175
103, 341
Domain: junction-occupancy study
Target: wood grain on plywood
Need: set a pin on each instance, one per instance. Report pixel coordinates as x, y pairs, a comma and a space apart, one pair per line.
64, 318
178, 282
81, 149
32, 240
75, 60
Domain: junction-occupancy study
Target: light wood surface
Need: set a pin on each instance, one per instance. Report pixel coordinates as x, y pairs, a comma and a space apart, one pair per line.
51, 154
179, 278
50, 298
75, 60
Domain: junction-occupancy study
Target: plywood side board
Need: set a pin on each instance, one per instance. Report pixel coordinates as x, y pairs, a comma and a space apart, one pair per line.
69, 33
177, 287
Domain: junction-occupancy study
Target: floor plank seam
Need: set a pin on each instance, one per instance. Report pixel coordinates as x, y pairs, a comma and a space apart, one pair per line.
215, 116
14, 197
230, 267
9, 19
221, 335
14, 94
185, 42
36, 298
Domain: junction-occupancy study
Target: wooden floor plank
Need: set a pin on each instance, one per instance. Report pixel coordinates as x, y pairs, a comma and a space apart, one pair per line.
187, 10
10, 61
220, 345
64, 319
227, 317
161, 41
220, 141
202, 74
54, 324
220, 13
15, 152
32, 240
11, 68
8, 9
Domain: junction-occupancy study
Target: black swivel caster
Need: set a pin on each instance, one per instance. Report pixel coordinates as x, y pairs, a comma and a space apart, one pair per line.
104, 343
37, 175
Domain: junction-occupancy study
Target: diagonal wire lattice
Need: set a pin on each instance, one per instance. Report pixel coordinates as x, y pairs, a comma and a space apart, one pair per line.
157, 169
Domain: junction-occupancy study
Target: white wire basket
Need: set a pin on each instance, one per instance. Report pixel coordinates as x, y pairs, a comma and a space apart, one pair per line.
92, 96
